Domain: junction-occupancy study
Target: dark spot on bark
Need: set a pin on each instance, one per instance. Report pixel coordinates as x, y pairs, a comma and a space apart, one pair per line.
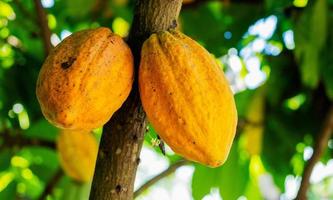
68, 63
135, 137
138, 160
174, 24
118, 188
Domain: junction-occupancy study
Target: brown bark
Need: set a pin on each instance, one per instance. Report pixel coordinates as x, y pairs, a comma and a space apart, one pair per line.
318, 149
123, 135
44, 27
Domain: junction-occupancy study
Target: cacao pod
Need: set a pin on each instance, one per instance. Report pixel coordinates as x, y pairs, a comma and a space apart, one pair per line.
187, 98
85, 79
77, 154
253, 130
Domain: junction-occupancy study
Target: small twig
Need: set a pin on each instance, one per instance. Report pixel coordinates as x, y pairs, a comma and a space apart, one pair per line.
51, 184
320, 146
161, 145
18, 141
171, 169
175, 166
44, 27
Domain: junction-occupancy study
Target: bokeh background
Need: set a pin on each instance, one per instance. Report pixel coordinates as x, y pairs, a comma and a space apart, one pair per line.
277, 56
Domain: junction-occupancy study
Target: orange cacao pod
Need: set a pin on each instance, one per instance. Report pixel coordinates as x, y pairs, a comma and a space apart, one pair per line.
187, 98
85, 79
77, 152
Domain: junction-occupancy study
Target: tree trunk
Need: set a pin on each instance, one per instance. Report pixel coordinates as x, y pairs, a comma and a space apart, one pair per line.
123, 135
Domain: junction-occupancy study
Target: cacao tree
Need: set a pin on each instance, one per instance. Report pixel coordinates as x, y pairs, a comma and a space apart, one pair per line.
276, 56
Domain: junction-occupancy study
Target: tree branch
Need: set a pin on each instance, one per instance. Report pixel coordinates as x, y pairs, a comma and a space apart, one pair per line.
44, 27
171, 169
51, 184
18, 141
319, 147
123, 135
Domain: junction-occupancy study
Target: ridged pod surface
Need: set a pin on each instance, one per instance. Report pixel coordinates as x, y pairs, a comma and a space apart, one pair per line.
77, 154
187, 98
85, 79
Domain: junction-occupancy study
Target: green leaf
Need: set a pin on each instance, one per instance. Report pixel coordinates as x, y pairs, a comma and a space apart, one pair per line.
310, 39
78, 8
231, 178
75, 191
242, 100
43, 172
328, 80
272, 5
5, 156
40, 156
284, 130
210, 21
234, 176
43, 130
327, 64
203, 180
6, 10
9, 192
33, 187
253, 191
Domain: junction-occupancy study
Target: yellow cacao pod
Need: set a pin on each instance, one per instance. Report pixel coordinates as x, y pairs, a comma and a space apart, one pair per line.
253, 131
187, 98
85, 79
77, 154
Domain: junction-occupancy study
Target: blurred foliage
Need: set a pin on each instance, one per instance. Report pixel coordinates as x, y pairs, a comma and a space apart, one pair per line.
276, 54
